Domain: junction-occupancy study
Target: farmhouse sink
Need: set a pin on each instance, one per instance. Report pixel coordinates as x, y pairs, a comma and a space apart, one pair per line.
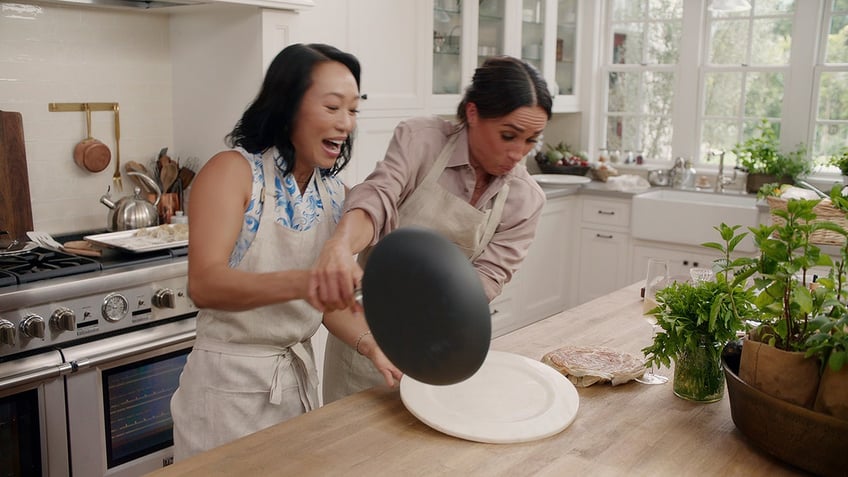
688, 217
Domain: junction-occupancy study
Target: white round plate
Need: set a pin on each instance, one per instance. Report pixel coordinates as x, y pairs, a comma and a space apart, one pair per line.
561, 179
511, 398
29, 246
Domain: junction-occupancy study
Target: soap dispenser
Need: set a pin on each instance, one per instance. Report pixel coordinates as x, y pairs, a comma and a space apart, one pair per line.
689, 174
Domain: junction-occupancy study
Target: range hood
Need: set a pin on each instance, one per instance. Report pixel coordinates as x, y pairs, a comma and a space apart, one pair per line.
131, 4
153, 4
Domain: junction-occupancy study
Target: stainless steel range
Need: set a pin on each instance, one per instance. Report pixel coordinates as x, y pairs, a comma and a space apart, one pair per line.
90, 352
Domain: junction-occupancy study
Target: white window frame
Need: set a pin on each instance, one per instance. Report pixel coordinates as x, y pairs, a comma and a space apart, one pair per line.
798, 112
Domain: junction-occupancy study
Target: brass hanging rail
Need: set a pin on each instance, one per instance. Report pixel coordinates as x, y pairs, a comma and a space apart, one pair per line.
70, 107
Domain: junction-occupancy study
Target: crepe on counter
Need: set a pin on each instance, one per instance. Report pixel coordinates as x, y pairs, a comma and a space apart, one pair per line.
587, 365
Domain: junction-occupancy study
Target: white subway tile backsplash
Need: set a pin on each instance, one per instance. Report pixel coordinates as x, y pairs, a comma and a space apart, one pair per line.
51, 53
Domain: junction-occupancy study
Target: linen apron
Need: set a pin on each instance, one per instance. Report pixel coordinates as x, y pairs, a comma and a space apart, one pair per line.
252, 369
431, 206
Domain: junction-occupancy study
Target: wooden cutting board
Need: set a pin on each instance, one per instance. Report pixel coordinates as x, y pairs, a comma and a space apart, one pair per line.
15, 205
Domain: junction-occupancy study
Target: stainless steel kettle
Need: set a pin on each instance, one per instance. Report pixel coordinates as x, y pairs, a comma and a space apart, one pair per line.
133, 212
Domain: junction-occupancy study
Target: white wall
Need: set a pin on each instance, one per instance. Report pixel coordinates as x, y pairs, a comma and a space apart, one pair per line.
72, 54
156, 65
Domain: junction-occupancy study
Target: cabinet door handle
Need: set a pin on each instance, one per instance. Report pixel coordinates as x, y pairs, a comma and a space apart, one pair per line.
494, 312
606, 212
603, 236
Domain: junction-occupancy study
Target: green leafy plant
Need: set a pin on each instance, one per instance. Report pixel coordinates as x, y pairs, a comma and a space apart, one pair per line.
761, 154
840, 160
829, 340
786, 301
708, 313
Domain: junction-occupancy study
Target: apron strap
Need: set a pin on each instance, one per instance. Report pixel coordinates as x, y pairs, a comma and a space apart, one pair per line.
441, 161
294, 357
492, 222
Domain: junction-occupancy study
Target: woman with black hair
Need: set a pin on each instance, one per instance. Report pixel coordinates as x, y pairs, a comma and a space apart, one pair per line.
456, 177
259, 215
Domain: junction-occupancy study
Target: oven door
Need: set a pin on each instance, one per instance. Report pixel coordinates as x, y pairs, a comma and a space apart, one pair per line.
33, 430
119, 417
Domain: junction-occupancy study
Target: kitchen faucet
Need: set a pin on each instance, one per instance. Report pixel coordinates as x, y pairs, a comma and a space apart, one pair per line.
721, 180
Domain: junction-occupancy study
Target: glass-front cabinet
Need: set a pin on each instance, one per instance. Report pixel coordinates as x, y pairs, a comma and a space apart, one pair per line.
447, 46
491, 26
533, 32
465, 33
566, 47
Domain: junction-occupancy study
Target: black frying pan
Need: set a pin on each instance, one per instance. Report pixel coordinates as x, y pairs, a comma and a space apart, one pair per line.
426, 306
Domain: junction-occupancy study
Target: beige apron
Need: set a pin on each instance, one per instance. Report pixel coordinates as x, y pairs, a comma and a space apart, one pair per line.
253, 369
431, 206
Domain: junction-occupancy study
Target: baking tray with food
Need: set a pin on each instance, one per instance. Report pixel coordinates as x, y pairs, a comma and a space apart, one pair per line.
145, 239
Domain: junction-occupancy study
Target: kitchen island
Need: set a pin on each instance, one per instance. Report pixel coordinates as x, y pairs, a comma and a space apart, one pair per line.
630, 429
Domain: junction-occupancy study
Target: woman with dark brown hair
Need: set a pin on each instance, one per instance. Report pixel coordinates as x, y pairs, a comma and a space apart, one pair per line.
456, 177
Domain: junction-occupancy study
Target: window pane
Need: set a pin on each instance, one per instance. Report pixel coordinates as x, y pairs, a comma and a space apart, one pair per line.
840, 5
655, 140
764, 95
627, 43
614, 131
833, 96
718, 134
830, 138
772, 41
722, 93
628, 9
659, 93
663, 42
727, 42
665, 9
770, 7
624, 92
837, 40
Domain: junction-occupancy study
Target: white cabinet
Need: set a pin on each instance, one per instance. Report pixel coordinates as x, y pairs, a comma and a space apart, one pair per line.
604, 247
464, 34
369, 146
389, 38
541, 288
680, 258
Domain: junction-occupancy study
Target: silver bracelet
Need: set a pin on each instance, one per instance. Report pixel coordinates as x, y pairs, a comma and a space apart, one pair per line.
359, 339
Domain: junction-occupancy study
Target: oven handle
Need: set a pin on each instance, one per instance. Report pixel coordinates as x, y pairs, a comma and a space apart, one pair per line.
42, 374
96, 360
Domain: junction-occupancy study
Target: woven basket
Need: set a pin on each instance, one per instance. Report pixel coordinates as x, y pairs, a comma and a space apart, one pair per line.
825, 212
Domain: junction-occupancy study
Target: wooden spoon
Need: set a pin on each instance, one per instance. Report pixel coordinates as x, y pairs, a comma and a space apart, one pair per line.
169, 174
133, 166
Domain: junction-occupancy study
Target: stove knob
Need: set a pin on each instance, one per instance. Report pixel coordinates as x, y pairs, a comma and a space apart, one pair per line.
7, 333
33, 326
63, 319
165, 298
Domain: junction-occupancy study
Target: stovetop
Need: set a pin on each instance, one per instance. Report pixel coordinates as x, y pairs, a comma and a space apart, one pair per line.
42, 264
50, 298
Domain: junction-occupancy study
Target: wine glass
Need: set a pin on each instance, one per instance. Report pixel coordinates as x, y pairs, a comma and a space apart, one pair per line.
656, 279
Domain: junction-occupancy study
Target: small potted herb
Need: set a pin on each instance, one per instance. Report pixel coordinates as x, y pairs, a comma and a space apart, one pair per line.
697, 320
761, 157
840, 161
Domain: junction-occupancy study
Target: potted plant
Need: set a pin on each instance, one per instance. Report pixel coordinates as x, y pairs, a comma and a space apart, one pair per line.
761, 157
794, 317
696, 320
840, 161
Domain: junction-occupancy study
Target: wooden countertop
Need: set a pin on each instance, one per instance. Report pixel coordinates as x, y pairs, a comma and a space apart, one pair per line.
631, 429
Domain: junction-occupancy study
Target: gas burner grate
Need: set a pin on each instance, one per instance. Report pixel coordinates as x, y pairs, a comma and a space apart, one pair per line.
42, 264
7, 279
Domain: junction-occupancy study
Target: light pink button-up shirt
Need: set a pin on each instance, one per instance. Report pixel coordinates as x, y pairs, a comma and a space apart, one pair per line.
414, 148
